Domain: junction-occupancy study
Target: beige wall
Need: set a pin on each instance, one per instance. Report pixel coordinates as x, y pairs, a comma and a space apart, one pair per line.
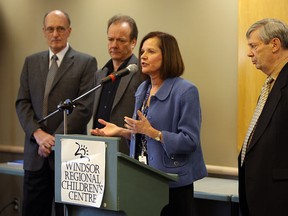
206, 31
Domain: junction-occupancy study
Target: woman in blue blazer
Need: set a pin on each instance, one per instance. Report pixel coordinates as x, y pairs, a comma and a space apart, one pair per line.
165, 129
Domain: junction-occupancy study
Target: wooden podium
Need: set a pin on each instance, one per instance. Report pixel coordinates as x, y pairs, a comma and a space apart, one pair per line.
131, 188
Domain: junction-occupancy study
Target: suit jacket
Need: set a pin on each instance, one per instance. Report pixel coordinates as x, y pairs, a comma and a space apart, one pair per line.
174, 110
74, 77
124, 100
263, 178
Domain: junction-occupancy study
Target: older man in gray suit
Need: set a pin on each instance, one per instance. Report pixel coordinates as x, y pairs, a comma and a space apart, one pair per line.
116, 99
73, 77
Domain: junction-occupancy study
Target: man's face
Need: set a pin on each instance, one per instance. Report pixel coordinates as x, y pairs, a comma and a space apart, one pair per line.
260, 53
56, 30
120, 47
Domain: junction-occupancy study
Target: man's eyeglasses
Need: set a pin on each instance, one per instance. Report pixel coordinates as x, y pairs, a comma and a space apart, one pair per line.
59, 29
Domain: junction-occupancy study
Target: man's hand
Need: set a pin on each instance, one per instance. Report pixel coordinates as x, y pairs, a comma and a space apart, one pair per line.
45, 142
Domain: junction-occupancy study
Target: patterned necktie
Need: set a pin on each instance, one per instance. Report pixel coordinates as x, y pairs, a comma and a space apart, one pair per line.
261, 102
49, 80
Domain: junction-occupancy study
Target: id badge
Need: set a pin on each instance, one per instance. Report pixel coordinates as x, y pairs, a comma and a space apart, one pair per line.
142, 159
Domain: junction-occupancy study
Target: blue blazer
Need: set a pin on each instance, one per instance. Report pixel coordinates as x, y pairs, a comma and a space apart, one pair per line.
174, 110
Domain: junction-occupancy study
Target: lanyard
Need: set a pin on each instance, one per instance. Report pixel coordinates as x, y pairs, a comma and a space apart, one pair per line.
144, 109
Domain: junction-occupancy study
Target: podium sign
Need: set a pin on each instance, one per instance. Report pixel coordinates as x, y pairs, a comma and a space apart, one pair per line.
131, 188
82, 171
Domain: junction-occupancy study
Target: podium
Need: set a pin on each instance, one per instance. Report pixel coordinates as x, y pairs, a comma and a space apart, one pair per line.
131, 188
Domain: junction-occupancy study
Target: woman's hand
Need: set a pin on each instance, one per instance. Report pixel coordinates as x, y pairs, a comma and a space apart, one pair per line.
110, 130
141, 126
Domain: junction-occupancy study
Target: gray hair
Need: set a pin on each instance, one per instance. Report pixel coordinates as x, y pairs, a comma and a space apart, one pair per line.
270, 28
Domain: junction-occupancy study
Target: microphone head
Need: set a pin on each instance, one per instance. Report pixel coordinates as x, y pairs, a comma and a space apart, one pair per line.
132, 68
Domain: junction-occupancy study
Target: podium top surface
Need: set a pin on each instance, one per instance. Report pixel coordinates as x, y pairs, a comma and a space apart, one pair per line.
170, 176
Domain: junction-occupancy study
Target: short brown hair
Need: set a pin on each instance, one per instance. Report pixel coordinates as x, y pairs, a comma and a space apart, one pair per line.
124, 18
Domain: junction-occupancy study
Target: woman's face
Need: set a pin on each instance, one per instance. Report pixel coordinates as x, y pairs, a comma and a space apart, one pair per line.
151, 57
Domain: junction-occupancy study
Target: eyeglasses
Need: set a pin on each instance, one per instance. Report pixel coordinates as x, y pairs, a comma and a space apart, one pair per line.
59, 29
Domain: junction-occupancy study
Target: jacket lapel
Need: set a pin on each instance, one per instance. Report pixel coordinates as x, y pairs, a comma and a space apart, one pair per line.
100, 75
124, 82
270, 106
67, 61
44, 67
121, 88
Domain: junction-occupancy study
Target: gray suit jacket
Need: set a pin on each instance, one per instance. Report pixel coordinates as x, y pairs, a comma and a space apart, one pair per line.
74, 77
123, 104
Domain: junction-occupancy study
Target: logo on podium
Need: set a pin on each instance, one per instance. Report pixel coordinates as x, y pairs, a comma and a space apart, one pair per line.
83, 172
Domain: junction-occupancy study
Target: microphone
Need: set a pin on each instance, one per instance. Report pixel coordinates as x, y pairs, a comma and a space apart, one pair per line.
117, 74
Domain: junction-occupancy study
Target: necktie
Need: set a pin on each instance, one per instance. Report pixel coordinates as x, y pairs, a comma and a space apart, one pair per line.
49, 80
261, 102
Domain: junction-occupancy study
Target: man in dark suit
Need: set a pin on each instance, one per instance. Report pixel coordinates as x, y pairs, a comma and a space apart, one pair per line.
114, 100
74, 77
263, 170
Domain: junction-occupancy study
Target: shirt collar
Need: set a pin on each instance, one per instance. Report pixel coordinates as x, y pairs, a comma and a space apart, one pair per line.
110, 66
278, 69
60, 54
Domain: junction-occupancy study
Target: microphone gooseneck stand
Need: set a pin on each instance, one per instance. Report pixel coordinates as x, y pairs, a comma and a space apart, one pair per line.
67, 107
